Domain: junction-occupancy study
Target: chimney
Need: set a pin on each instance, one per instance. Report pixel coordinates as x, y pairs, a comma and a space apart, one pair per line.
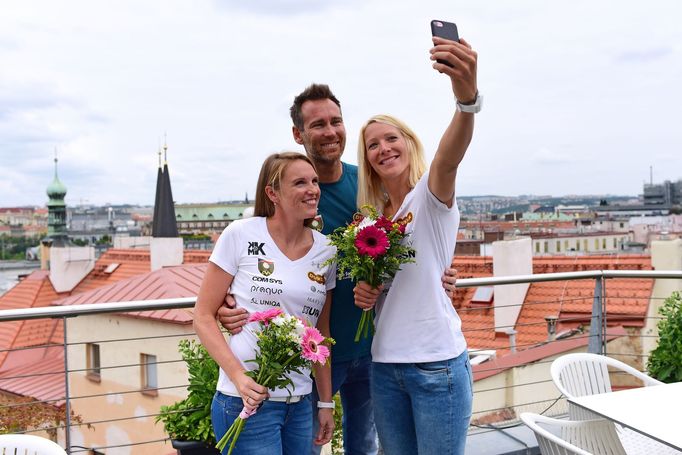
665, 255
511, 333
69, 265
511, 257
551, 327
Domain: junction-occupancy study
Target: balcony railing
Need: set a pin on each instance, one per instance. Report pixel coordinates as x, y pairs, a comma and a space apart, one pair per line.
115, 393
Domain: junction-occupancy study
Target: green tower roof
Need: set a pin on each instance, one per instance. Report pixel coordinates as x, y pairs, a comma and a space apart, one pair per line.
56, 189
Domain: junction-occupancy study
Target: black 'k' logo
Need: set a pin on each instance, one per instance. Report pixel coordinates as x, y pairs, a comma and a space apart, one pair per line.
256, 248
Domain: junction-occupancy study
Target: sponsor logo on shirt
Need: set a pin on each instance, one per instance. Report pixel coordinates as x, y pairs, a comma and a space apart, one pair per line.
264, 302
407, 219
255, 248
314, 312
262, 279
266, 267
265, 290
317, 278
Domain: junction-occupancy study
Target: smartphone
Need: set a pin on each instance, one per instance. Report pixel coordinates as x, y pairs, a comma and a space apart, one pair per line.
446, 30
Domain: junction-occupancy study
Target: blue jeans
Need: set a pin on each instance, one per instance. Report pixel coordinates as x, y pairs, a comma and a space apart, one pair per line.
276, 429
352, 380
423, 408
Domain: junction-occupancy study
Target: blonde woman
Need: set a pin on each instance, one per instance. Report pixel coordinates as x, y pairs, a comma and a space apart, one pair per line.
421, 376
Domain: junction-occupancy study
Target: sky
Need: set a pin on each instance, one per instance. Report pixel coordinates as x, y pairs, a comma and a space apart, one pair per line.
580, 97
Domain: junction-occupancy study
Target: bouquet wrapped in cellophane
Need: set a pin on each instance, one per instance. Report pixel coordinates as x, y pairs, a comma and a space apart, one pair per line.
370, 249
285, 344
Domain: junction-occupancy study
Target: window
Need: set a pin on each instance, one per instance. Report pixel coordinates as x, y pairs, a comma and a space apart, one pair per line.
546, 247
558, 246
585, 244
615, 245
566, 245
537, 247
596, 244
92, 361
149, 377
603, 244
577, 245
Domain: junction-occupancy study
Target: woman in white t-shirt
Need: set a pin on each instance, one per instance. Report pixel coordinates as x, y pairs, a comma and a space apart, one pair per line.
271, 260
421, 376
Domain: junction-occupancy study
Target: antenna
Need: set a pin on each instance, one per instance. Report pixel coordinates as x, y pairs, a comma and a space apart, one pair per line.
165, 148
651, 175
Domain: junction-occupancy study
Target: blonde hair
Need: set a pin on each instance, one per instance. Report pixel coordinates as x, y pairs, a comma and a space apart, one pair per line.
370, 189
271, 175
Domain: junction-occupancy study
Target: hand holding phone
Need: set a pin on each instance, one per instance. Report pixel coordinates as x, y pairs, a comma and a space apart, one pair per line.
445, 30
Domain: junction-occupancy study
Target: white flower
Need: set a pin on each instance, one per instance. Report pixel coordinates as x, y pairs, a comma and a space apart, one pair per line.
300, 327
280, 320
366, 221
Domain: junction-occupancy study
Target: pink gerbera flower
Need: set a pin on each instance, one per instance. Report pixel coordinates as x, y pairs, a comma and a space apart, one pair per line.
384, 223
371, 241
265, 316
313, 350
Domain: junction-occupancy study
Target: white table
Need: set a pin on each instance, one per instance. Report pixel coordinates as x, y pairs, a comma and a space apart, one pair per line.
653, 411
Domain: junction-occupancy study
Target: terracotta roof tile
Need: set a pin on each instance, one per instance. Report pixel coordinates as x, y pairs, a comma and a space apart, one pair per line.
40, 374
166, 283
627, 299
34, 291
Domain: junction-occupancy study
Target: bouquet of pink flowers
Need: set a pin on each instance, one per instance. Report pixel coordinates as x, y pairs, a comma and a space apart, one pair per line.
286, 344
370, 249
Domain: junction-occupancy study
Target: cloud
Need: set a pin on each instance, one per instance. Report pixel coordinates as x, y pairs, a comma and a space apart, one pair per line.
283, 7
546, 156
644, 55
103, 82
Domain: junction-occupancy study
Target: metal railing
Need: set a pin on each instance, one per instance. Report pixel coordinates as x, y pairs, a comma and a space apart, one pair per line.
598, 336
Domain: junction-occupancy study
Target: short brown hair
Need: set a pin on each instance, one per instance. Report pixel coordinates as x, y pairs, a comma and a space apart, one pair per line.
311, 93
271, 175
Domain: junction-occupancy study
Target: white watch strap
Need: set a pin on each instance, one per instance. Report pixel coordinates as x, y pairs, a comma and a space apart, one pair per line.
326, 404
471, 108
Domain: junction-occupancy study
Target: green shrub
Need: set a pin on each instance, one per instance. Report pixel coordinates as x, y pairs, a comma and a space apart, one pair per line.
190, 419
665, 362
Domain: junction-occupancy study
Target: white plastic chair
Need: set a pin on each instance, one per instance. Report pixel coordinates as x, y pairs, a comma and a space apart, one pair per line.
27, 444
582, 374
571, 437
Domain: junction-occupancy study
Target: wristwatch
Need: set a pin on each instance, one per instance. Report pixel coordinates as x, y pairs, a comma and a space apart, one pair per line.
326, 404
472, 108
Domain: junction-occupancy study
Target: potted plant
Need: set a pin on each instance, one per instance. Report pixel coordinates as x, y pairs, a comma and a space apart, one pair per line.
665, 362
188, 422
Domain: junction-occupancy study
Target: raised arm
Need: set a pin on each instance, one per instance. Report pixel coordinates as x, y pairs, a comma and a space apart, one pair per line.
455, 141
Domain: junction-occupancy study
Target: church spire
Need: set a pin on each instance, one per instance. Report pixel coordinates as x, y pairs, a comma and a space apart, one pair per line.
164, 223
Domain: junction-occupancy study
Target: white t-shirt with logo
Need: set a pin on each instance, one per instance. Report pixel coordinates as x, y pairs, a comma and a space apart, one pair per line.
264, 278
415, 320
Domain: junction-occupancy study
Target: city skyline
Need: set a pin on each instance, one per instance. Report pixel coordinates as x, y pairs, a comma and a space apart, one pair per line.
580, 98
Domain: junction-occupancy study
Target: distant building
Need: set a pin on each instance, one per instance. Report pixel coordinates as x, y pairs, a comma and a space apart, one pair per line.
93, 223
580, 243
666, 194
209, 218
23, 221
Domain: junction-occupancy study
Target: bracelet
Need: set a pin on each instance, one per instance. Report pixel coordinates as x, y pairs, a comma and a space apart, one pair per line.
326, 405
